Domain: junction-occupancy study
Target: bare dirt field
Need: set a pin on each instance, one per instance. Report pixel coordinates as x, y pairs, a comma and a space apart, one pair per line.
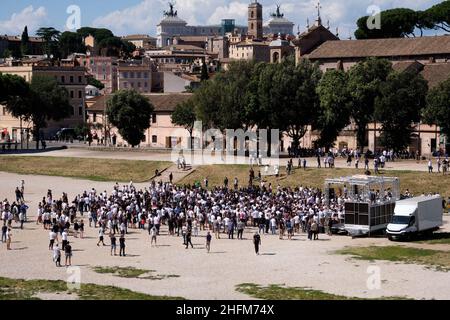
296, 263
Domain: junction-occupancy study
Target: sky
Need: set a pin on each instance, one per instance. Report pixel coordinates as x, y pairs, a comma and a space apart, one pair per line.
141, 16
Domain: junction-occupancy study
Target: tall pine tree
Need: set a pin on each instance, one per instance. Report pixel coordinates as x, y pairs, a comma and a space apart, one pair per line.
25, 42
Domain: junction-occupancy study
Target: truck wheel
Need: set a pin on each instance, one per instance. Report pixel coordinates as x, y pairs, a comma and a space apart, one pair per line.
390, 238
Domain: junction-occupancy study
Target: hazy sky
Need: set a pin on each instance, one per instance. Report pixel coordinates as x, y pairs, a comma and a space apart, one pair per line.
142, 16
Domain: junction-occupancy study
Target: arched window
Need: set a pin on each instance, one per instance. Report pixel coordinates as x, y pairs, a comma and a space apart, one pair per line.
252, 15
251, 27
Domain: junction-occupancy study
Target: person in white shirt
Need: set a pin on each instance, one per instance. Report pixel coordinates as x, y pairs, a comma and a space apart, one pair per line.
57, 256
64, 237
101, 234
52, 236
153, 234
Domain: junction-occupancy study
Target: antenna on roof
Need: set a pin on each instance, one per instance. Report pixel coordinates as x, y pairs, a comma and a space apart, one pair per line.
307, 23
337, 32
328, 24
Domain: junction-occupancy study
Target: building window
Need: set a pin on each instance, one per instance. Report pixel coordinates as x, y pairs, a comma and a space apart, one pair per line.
146, 75
139, 84
4, 111
125, 75
125, 84
131, 74
94, 118
80, 94
145, 85
154, 118
154, 139
144, 139
73, 111
138, 75
63, 79
71, 94
132, 84
80, 79
80, 111
71, 79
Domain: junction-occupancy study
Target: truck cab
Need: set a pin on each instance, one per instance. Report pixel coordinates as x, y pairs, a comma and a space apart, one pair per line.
403, 222
420, 215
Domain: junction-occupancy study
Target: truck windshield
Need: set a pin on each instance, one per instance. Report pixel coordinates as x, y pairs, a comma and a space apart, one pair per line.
400, 219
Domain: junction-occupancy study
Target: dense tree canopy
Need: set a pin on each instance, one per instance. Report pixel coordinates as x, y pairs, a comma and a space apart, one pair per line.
402, 22
335, 107
71, 42
437, 110
130, 112
399, 105
364, 82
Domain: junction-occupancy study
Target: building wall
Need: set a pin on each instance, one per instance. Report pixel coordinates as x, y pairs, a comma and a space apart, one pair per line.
73, 79
138, 78
174, 83
161, 134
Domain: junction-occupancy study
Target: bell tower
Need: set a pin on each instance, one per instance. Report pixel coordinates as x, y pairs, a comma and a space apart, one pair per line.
255, 20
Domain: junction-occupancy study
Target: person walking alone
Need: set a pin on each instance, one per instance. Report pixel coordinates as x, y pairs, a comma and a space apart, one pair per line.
153, 233
188, 239
208, 242
257, 242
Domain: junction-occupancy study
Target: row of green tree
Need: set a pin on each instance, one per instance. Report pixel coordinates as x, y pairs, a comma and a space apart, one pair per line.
268, 96
61, 44
291, 98
403, 22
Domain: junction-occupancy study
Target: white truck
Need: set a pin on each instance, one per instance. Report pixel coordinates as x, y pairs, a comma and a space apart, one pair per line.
414, 216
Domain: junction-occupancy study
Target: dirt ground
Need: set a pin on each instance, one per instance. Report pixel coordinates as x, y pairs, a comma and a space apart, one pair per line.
210, 276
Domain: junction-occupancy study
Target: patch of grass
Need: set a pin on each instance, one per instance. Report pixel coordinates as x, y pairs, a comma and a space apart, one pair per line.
131, 272
439, 260
19, 289
416, 182
84, 168
278, 292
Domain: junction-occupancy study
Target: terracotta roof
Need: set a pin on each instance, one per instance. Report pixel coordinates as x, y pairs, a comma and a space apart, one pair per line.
164, 102
382, 48
413, 66
435, 73
138, 37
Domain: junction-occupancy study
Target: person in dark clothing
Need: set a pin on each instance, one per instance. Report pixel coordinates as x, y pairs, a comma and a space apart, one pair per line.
208, 242
171, 177
68, 253
188, 239
257, 242
122, 246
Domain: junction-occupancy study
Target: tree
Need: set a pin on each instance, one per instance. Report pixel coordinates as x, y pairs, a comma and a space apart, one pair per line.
335, 107
184, 116
12, 87
438, 16
7, 53
25, 42
402, 98
364, 83
220, 102
94, 82
70, 42
46, 101
130, 112
204, 75
395, 23
438, 106
50, 36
